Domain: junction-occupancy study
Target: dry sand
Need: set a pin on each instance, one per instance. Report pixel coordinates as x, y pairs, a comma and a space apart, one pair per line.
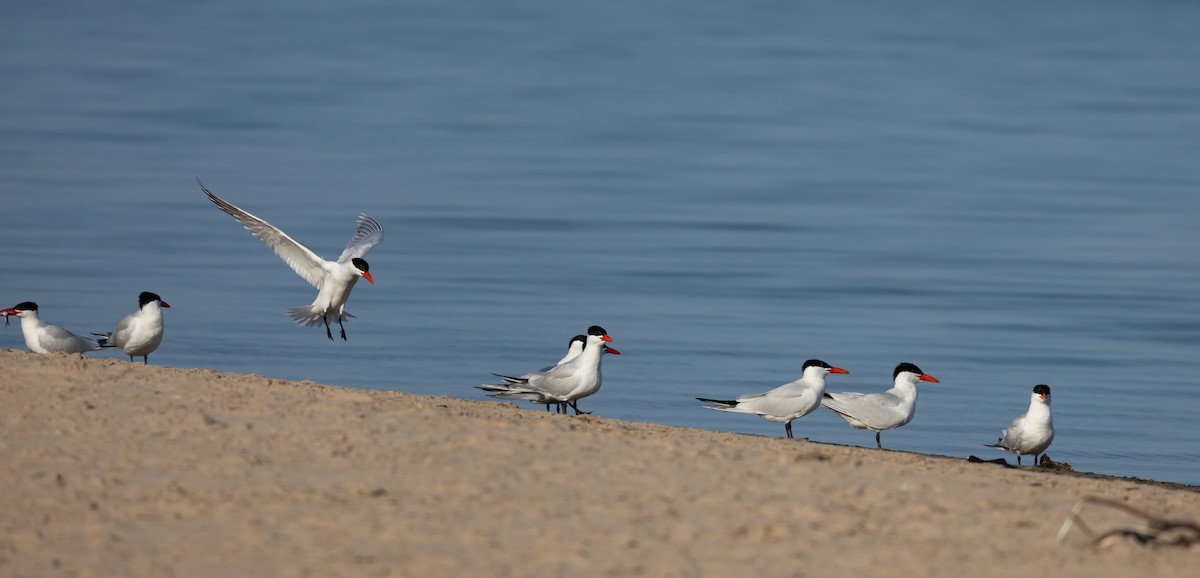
118, 469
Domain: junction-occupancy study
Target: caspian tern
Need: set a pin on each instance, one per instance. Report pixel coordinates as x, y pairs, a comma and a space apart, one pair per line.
1031, 433
879, 411
42, 337
786, 402
333, 279
574, 348
565, 383
140, 332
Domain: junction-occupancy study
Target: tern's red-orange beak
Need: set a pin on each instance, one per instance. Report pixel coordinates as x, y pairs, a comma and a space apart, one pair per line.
924, 377
1043, 396
611, 350
605, 338
162, 303
838, 370
368, 277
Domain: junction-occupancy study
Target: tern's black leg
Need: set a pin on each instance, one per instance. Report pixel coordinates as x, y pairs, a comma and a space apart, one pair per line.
787, 426
1036, 459
130, 359
328, 333
343, 328
576, 407
146, 359
878, 444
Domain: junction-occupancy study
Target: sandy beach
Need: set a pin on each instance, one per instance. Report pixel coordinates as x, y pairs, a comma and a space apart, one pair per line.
119, 469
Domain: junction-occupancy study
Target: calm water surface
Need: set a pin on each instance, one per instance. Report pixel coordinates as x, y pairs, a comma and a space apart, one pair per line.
1004, 194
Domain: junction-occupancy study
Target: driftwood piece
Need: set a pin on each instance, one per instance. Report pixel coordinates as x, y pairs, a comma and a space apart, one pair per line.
1155, 531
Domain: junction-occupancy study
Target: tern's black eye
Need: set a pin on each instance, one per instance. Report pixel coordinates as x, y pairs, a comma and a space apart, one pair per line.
361, 264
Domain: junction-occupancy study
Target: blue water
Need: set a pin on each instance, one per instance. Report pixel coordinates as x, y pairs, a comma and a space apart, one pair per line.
1004, 193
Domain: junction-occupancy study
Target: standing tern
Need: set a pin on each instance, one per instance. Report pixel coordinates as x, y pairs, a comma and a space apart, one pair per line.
140, 332
879, 411
786, 402
333, 279
42, 337
1031, 433
574, 348
565, 383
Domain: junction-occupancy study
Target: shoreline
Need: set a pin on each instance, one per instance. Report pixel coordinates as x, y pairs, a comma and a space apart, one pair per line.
123, 469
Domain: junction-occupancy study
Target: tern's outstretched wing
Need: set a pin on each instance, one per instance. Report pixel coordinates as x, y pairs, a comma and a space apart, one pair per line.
368, 234
301, 259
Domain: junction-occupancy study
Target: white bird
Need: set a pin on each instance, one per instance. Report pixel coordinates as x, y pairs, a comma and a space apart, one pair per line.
333, 279
1031, 433
574, 347
879, 411
42, 337
571, 380
140, 332
787, 402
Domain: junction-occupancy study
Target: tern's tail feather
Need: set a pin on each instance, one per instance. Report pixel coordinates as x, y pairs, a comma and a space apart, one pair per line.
721, 404
104, 340
309, 315
514, 391
510, 380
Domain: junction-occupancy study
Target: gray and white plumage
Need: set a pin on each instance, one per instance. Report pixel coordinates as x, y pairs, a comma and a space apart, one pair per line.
506, 390
333, 279
1032, 432
42, 337
881, 411
140, 332
565, 383
785, 403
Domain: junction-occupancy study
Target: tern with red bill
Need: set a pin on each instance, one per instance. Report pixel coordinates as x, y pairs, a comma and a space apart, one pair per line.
333, 279
1031, 433
574, 347
879, 411
787, 402
565, 383
42, 337
140, 332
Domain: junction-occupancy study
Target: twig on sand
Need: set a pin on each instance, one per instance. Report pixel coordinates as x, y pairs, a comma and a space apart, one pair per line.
1156, 531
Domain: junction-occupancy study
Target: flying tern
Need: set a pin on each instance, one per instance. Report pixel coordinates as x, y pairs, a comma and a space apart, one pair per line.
333, 279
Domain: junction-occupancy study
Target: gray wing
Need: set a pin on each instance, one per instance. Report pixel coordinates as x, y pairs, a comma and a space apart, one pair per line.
368, 234
55, 338
873, 409
301, 259
121, 335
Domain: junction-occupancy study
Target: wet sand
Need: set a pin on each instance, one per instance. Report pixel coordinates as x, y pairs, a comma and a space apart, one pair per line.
118, 469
